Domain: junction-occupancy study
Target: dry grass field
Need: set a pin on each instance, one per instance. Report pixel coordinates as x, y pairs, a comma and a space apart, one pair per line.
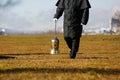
27, 57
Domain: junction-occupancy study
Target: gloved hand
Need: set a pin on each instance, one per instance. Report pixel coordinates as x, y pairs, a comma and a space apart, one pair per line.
82, 24
55, 19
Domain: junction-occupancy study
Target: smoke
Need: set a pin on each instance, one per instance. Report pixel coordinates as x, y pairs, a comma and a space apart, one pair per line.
116, 12
8, 3
116, 16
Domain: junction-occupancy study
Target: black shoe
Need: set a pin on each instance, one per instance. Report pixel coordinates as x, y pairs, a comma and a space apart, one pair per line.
72, 55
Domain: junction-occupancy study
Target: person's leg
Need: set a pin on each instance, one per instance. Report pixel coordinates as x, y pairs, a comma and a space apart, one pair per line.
75, 47
73, 44
68, 41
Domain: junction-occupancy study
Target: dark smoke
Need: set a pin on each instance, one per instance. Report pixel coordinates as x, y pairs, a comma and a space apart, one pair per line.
116, 16
8, 3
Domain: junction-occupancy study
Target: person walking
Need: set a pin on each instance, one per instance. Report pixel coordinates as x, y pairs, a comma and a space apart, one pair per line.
76, 14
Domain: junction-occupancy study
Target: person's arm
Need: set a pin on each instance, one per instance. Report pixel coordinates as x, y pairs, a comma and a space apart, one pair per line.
85, 16
59, 12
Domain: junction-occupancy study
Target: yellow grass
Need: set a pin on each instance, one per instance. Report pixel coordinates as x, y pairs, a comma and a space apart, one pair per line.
27, 57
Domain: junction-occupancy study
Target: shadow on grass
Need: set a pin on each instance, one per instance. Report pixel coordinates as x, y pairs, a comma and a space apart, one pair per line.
62, 70
93, 57
6, 57
25, 54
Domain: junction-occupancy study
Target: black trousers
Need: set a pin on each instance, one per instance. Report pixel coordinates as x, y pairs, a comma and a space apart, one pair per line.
73, 44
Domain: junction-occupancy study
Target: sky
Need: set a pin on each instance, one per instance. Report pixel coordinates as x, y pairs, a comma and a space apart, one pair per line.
37, 15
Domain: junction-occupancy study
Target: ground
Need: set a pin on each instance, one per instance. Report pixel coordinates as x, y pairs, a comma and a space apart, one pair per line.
27, 57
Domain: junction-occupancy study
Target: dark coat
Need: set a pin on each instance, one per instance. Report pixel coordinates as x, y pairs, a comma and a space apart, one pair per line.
75, 13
